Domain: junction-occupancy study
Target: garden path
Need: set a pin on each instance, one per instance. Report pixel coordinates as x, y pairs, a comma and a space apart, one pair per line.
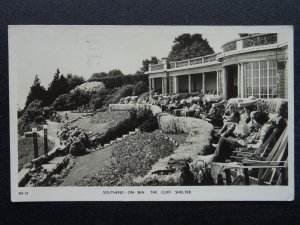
53, 127
88, 164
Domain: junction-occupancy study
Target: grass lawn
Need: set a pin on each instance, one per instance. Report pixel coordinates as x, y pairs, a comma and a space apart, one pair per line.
25, 149
102, 121
71, 116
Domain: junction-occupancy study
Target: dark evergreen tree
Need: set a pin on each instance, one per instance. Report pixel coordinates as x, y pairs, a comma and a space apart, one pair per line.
189, 46
53, 89
37, 92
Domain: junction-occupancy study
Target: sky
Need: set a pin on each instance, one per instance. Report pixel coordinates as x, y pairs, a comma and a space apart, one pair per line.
84, 50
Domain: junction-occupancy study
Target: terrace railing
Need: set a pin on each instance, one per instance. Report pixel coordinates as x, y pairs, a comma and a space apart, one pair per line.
193, 61
251, 41
156, 67
267, 39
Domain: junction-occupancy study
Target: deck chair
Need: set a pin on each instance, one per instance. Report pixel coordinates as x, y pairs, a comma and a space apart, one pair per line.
271, 169
256, 153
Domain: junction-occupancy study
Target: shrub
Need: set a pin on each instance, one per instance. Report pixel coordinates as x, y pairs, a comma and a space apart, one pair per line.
97, 103
39, 119
77, 148
149, 125
89, 87
63, 102
139, 88
32, 111
79, 98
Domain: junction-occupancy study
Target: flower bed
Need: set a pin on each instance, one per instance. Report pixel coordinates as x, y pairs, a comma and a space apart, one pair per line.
199, 134
132, 157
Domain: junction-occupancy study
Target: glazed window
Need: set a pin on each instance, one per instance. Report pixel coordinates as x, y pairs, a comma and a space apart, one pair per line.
261, 79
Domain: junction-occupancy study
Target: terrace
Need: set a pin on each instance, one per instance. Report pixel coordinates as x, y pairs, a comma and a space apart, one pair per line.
250, 43
193, 62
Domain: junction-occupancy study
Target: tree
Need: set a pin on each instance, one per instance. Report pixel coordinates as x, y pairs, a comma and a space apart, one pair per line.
189, 46
74, 81
146, 63
37, 92
114, 73
54, 88
61, 85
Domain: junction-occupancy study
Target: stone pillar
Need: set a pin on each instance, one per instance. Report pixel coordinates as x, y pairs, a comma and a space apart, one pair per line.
218, 82
239, 80
242, 83
176, 84
224, 78
163, 90
190, 83
164, 85
203, 83
150, 83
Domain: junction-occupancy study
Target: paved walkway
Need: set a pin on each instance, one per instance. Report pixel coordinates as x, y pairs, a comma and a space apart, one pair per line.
53, 127
88, 164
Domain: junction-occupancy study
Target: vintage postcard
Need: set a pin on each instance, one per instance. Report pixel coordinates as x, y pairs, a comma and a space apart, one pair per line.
151, 113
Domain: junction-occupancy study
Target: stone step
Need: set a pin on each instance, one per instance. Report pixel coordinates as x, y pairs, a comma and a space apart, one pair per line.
49, 167
56, 160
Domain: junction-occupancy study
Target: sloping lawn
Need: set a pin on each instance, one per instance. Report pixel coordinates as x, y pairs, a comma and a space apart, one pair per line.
132, 157
102, 121
25, 149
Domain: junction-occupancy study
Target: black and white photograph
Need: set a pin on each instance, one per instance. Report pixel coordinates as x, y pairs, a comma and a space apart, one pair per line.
131, 113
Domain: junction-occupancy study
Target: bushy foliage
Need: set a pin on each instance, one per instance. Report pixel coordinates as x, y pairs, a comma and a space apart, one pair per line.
77, 148
39, 119
149, 125
33, 110
189, 46
63, 102
139, 88
89, 88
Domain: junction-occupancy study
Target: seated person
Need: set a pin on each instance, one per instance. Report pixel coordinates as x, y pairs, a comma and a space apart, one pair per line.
279, 120
235, 127
227, 145
192, 108
245, 112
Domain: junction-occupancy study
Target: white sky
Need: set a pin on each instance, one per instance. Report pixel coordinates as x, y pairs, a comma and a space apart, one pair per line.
84, 50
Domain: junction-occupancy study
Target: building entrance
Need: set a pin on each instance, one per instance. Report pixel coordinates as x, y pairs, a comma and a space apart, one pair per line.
232, 81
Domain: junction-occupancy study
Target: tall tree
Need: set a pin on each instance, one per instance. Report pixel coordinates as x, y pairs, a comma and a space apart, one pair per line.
189, 46
37, 91
58, 86
74, 80
146, 63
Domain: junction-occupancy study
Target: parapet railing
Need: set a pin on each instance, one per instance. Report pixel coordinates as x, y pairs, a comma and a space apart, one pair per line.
250, 41
184, 63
